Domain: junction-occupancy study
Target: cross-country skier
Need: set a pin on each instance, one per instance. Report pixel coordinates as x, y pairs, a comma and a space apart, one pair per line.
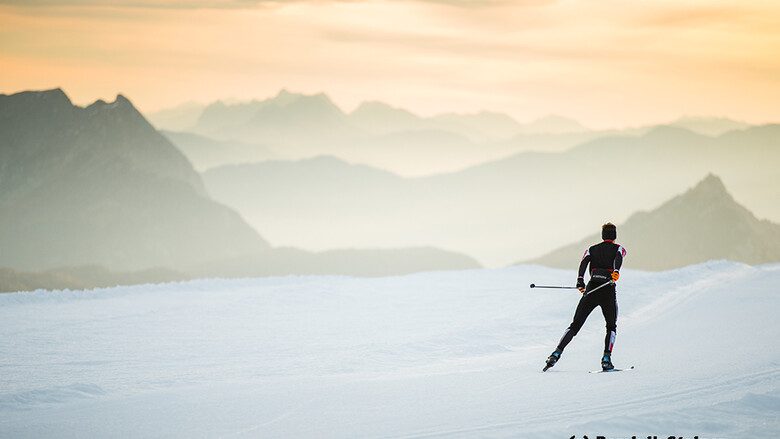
605, 260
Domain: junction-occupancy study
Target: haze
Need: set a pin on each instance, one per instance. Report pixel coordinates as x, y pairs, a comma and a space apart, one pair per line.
606, 65
320, 134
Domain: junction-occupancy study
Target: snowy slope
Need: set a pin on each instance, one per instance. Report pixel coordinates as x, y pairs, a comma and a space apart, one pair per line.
441, 354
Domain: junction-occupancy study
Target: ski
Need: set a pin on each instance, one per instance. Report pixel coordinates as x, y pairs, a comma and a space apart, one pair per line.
612, 370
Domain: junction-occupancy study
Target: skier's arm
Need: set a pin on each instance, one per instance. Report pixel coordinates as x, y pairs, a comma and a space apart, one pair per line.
581, 272
618, 263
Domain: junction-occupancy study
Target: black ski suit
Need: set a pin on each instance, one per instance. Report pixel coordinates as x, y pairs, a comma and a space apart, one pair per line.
604, 259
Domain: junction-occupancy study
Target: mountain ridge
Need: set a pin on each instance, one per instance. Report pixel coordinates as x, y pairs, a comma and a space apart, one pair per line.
100, 186
381, 135
704, 223
500, 201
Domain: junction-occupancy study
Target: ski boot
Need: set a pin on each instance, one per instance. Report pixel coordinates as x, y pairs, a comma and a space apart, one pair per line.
606, 361
552, 359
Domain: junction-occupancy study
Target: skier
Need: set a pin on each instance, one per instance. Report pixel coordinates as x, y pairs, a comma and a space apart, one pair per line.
605, 260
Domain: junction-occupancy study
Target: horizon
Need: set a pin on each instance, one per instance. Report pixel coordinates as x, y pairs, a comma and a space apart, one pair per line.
237, 101
606, 67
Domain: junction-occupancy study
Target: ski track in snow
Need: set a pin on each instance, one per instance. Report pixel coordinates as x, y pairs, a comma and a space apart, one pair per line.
430, 355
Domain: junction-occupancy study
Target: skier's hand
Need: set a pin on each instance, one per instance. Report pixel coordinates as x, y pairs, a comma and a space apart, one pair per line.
581, 285
615, 276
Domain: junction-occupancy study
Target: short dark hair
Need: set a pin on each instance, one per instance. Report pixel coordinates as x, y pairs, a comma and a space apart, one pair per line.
608, 231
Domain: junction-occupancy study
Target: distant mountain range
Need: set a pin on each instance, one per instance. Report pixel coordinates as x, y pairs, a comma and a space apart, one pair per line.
526, 204
295, 126
709, 126
379, 118
100, 186
222, 120
705, 223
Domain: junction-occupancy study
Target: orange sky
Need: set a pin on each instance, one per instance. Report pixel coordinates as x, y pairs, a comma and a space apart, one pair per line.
607, 64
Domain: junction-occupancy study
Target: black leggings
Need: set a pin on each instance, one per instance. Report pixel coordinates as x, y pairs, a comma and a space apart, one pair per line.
607, 300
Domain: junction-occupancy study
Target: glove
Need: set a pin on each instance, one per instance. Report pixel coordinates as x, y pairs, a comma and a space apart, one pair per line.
615, 276
581, 285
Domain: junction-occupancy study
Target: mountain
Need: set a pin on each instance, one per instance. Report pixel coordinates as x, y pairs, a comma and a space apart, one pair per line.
380, 119
710, 126
418, 153
99, 185
527, 204
205, 153
554, 125
293, 121
705, 223
289, 112
293, 126
479, 127
180, 118
319, 203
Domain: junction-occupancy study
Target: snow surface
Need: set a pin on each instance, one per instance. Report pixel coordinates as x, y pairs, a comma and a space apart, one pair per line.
440, 354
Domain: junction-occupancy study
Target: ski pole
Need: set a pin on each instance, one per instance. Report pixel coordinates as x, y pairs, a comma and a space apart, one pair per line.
572, 288
552, 286
600, 286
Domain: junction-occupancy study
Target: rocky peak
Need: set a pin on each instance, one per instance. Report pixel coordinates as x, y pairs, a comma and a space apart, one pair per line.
120, 108
44, 131
51, 97
702, 224
712, 185
30, 108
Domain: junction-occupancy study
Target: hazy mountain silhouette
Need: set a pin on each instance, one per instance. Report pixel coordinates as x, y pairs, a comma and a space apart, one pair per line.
293, 126
417, 153
220, 116
100, 186
323, 190
321, 203
205, 153
291, 121
262, 121
709, 126
554, 125
526, 204
182, 117
378, 118
705, 223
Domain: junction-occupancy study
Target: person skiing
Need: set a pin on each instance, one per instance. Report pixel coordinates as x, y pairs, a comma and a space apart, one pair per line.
605, 260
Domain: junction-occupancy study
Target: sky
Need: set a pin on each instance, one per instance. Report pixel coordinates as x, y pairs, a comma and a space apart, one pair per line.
608, 64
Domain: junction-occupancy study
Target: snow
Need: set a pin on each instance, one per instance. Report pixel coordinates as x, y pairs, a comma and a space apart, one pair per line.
432, 355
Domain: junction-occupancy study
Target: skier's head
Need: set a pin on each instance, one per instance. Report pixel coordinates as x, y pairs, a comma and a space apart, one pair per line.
608, 232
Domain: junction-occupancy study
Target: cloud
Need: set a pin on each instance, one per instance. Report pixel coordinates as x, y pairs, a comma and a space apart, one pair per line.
251, 4
686, 15
487, 3
160, 4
